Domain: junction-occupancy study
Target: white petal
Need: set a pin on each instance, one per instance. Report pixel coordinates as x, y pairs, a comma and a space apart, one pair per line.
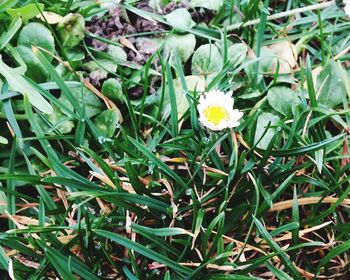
347, 9
221, 99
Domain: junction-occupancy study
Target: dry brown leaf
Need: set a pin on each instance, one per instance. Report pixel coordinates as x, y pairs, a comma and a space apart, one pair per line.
287, 55
23, 220
50, 17
103, 178
66, 238
283, 205
27, 263
126, 43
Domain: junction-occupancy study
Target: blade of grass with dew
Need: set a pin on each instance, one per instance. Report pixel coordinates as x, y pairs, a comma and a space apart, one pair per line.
158, 163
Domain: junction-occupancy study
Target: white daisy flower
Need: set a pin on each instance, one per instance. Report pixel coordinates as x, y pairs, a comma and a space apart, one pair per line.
347, 7
216, 110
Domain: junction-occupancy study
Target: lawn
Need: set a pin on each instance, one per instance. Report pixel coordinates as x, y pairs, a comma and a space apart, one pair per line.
162, 139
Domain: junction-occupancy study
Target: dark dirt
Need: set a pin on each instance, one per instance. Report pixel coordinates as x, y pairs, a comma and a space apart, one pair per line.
114, 25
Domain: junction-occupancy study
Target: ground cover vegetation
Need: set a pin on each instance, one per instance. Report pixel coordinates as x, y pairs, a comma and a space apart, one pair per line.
174, 139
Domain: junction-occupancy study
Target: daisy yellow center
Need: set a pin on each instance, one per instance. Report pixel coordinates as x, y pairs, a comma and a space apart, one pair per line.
215, 114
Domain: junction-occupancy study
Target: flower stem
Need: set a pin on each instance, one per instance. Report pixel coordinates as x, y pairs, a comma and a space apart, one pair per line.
282, 14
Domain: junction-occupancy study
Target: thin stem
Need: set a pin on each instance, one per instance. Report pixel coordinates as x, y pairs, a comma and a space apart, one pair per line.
283, 14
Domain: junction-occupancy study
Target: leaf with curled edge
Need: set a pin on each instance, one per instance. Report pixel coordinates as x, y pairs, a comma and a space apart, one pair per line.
17, 82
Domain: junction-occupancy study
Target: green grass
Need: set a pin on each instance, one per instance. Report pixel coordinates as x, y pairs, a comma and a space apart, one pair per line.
159, 196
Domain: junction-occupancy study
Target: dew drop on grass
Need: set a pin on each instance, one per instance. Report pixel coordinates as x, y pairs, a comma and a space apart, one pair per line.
163, 216
206, 140
150, 168
188, 192
101, 139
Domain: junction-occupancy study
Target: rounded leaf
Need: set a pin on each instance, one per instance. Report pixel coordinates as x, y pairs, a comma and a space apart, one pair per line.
237, 53
36, 34
331, 84
106, 122
180, 45
206, 61
180, 20
35, 70
283, 99
71, 30
117, 52
86, 99
113, 90
262, 123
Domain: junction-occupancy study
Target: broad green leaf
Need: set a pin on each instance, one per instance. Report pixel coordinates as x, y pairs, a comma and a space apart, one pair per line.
75, 54
16, 81
206, 61
35, 34
283, 99
58, 120
330, 85
84, 97
27, 12
263, 121
193, 83
268, 61
35, 69
180, 19
71, 30
117, 52
113, 89
237, 53
106, 122
208, 4
181, 46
